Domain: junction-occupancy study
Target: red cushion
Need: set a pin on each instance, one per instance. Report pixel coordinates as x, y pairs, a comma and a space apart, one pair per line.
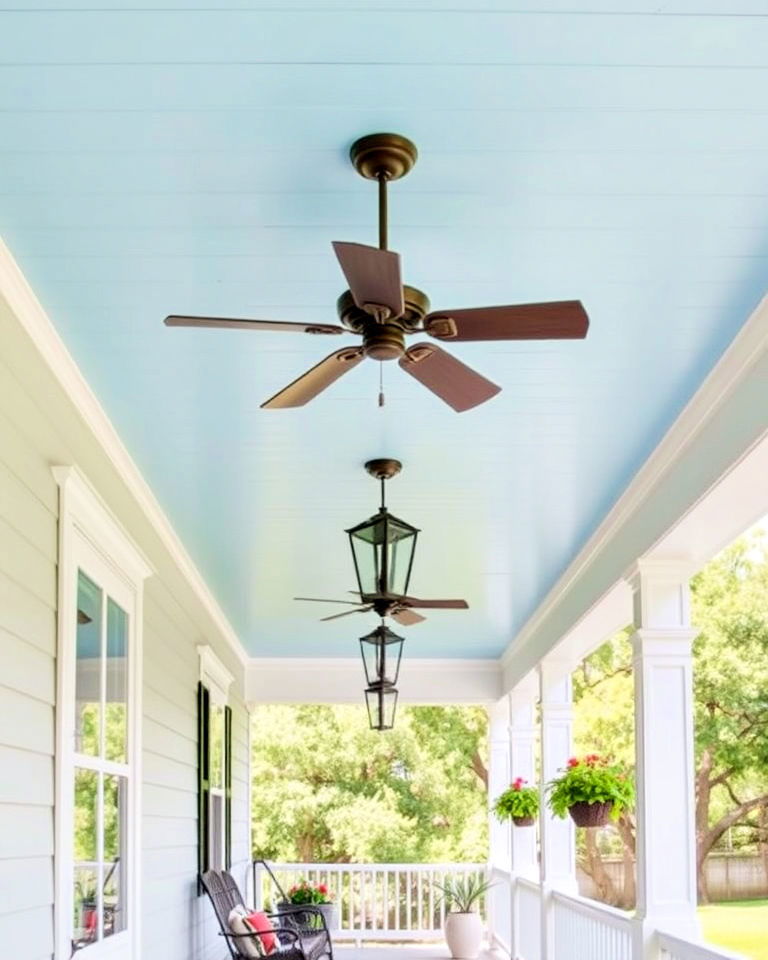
261, 923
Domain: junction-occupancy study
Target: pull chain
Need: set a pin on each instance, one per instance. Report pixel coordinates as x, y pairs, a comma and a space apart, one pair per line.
381, 383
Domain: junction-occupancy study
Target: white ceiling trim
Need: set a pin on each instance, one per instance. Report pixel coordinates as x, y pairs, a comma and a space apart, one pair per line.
35, 321
341, 680
747, 349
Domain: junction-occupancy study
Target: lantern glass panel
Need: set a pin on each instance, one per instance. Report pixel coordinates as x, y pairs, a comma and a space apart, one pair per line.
381, 652
381, 703
383, 551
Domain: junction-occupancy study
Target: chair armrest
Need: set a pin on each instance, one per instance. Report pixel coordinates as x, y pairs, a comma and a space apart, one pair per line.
257, 933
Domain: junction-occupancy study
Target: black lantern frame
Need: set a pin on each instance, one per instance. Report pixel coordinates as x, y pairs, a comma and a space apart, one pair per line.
381, 651
381, 701
383, 548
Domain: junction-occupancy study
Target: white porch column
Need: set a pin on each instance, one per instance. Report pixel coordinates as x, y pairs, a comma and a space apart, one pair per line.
499, 897
666, 836
558, 852
498, 780
522, 763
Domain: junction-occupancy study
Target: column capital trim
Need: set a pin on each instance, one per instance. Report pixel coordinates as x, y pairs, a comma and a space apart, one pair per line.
670, 569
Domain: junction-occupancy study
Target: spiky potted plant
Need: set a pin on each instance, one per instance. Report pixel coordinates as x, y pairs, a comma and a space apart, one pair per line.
519, 803
592, 789
463, 927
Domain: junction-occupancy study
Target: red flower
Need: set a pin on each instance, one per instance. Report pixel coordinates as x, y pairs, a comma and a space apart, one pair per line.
592, 759
517, 783
573, 762
322, 889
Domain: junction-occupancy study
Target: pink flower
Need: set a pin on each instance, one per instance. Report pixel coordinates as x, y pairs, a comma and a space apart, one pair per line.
592, 759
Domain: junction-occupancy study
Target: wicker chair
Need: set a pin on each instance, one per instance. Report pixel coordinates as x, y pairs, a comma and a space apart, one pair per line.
296, 941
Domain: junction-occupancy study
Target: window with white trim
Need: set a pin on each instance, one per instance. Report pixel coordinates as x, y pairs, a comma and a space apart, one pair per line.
101, 576
214, 764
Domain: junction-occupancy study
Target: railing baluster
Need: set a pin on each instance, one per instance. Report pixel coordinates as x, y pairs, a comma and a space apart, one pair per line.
408, 904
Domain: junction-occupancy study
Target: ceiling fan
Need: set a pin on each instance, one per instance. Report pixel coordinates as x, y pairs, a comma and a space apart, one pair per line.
383, 549
400, 609
380, 309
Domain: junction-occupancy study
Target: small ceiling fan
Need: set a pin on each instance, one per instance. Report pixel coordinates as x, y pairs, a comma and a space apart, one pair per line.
380, 309
383, 548
400, 608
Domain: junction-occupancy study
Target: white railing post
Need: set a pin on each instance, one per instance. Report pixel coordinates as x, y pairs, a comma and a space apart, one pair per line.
558, 852
666, 836
522, 763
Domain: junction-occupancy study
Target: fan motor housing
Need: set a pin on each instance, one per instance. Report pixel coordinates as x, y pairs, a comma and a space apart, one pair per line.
355, 319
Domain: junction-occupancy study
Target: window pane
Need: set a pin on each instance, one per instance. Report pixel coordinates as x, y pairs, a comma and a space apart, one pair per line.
88, 667
115, 859
117, 683
86, 876
217, 747
216, 852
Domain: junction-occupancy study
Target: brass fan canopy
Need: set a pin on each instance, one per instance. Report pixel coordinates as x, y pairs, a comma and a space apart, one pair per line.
387, 155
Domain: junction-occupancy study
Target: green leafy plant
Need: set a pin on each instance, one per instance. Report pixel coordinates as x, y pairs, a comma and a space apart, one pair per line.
591, 779
518, 800
463, 894
305, 892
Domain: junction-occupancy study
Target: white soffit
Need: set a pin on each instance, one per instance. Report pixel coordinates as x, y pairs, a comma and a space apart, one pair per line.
341, 680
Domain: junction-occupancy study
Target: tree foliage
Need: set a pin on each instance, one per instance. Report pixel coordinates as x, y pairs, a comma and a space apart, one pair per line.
327, 788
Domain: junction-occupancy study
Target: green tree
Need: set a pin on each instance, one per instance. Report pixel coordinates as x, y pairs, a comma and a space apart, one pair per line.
730, 608
327, 788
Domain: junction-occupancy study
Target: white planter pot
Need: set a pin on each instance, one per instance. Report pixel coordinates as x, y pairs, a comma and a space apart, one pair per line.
463, 934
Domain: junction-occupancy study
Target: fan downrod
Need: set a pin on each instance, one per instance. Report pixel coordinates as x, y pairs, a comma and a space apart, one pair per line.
383, 155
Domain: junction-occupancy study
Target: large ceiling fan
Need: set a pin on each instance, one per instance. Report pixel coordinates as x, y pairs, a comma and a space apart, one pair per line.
380, 309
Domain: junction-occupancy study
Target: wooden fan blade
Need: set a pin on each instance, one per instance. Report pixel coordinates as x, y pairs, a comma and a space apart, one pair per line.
373, 276
559, 320
458, 385
349, 603
406, 617
314, 381
435, 604
346, 613
277, 326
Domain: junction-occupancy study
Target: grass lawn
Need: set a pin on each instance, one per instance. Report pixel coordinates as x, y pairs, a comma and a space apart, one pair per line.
741, 925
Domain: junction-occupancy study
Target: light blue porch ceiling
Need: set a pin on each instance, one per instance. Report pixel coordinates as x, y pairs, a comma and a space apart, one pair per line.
194, 161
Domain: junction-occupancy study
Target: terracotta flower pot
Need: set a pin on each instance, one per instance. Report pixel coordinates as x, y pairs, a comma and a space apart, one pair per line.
523, 821
586, 814
463, 934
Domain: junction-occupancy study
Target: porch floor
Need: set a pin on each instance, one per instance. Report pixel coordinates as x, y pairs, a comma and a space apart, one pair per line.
373, 950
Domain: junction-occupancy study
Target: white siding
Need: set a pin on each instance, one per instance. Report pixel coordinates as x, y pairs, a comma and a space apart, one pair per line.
40, 427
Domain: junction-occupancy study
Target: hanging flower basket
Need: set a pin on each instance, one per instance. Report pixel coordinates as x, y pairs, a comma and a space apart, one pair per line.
518, 803
586, 814
592, 790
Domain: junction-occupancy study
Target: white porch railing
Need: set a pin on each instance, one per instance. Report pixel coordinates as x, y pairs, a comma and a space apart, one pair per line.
672, 948
376, 901
584, 928
528, 918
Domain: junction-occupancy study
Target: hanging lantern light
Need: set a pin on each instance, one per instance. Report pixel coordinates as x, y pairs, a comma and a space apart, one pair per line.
381, 701
383, 546
381, 651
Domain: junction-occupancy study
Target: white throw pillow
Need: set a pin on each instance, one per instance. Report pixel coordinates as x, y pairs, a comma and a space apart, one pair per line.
248, 946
